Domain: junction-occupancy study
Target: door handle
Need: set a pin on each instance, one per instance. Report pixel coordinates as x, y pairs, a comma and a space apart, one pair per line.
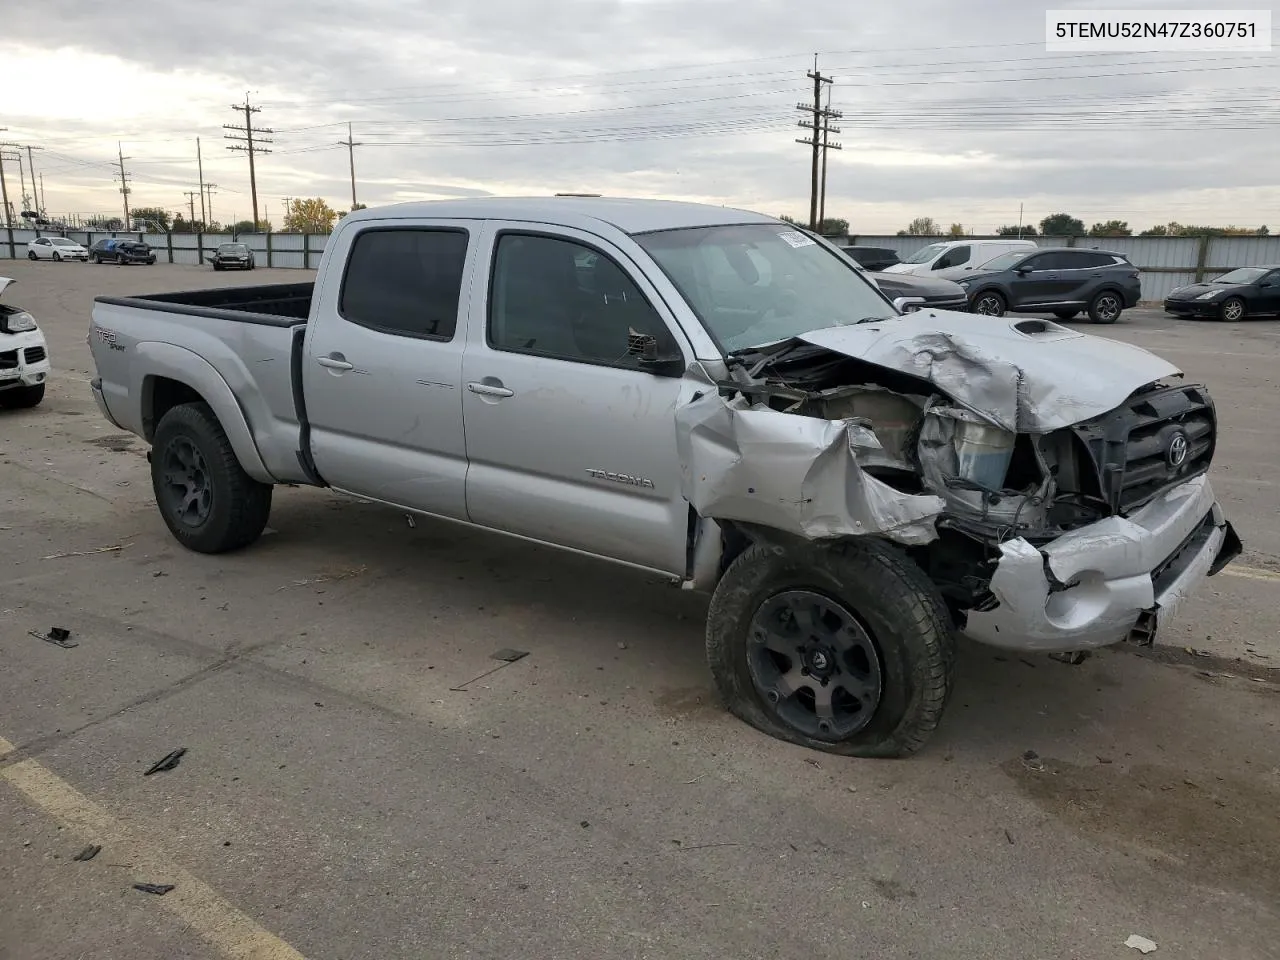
335, 363
490, 390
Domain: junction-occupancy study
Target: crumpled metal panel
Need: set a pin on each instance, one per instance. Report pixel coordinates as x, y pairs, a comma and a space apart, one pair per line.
1025, 375
792, 473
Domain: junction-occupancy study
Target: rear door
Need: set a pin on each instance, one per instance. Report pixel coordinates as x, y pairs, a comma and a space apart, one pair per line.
1268, 296
570, 442
383, 364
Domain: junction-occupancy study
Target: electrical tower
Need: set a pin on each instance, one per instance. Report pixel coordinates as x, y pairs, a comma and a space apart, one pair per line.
124, 181
818, 122
248, 145
351, 143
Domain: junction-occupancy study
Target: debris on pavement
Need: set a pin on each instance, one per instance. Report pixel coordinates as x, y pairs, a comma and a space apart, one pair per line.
1197, 653
1031, 760
344, 575
88, 853
509, 656
159, 889
1140, 943
1008, 836
116, 548
58, 636
1072, 657
167, 762
412, 523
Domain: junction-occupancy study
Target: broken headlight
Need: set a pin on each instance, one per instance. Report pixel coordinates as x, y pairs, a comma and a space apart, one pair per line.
983, 453
19, 322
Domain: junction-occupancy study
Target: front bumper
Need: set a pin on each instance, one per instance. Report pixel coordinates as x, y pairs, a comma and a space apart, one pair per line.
24, 359
1193, 308
1098, 585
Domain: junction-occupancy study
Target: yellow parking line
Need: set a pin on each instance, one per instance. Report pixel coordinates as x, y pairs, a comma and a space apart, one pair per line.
232, 933
1253, 573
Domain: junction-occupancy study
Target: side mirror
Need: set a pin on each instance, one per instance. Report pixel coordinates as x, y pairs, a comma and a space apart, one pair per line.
1022, 271
645, 348
907, 304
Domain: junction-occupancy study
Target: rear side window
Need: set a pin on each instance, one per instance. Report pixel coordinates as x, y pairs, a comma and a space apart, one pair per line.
405, 281
1085, 261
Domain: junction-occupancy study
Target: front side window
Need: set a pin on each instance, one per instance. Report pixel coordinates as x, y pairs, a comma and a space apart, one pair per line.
755, 284
554, 297
925, 254
405, 281
1243, 275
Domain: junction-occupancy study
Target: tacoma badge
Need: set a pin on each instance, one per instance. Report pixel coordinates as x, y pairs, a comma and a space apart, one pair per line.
620, 478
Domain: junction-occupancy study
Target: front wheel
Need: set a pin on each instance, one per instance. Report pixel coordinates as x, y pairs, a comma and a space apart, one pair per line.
120, 260
846, 649
1232, 309
1105, 307
22, 398
207, 500
57, 257
31, 255
989, 304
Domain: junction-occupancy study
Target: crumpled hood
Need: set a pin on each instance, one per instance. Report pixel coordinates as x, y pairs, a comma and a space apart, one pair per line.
1025, 375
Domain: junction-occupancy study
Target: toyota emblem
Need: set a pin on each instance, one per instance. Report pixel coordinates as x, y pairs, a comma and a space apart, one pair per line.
1178, 450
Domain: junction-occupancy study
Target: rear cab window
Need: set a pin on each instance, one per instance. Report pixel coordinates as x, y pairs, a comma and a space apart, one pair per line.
405, 281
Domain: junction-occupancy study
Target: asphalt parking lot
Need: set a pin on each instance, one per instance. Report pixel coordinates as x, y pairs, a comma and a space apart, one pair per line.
351, 789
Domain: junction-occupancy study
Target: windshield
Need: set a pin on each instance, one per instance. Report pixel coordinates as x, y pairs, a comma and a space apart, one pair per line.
1004, 261
233, 248
1243, 275
754, 284
925, 254
63, 242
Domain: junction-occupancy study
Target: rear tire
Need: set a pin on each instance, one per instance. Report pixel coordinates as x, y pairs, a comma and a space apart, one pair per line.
989, 304
22, 398
1106, 307
888, 689
208, 502
1232, 309
120, 260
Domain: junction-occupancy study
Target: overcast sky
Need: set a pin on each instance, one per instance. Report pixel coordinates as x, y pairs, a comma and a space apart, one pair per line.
952, 110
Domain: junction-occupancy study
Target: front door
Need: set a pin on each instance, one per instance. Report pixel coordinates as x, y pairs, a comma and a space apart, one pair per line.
1045, 283
570, 442
383, 367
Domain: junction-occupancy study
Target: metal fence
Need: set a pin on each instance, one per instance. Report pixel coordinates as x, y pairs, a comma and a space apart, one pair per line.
1164, 262
298, 250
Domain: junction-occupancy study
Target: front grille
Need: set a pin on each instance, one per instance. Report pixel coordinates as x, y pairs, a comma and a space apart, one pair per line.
8, 359
1152, 442
35, 354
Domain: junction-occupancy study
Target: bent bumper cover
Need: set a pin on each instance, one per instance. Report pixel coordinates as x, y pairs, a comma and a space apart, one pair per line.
1093, 586
24, 359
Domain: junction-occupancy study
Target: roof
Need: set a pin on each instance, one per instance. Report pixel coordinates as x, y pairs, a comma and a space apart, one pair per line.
628, 215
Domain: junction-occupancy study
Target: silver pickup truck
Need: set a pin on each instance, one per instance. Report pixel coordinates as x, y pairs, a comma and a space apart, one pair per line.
710, 394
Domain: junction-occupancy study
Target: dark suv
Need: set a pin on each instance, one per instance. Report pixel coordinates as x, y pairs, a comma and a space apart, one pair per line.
121, 250
1061, 281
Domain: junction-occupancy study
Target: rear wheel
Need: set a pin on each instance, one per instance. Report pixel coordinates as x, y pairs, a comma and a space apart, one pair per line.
31, 255
1066, 314
120, 259
846, 649
989, 304
1106, 307
207, 500
1232, 309
22, 398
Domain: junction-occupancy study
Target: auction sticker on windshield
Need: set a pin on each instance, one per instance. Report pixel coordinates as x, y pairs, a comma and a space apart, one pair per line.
796, 239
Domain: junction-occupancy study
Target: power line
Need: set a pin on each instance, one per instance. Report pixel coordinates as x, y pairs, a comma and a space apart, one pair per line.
248, 145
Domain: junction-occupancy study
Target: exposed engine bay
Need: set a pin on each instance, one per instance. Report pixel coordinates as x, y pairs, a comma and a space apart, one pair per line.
818, 443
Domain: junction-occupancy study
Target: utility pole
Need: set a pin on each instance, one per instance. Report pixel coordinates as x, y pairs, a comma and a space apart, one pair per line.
31, 165
43, 206
209, 188
248, 145
4, 187
124, 181
22, 177
351, 143
191, 202
815, 139
827, 145
204, 220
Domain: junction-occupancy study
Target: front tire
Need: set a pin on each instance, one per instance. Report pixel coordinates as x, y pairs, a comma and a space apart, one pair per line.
1232, 309
22, 398
57, 257
31, 255
120, 260
1106, 307
846, 649
208, 502
989, 304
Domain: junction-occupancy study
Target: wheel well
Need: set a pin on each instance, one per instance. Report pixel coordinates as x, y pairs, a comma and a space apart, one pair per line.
159, 396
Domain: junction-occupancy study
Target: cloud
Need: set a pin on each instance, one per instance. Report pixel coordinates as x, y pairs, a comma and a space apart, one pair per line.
952, 112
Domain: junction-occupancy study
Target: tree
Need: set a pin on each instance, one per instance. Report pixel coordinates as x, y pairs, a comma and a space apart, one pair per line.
1112, 228
1263, 231
244, 226
1159, 230
957, 230
792, 220
1009, 230
359, 206
310, 216
923, 227
834, 227
157, 218
1061, 225
182, 225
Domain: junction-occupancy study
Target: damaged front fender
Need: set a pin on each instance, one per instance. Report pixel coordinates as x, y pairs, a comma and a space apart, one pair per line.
802, 475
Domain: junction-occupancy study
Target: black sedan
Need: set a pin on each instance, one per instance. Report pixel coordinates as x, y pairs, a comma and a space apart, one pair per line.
230, 256
1241, 293
121, 250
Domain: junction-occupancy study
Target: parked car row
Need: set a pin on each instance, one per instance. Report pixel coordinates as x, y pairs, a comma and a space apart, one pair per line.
107, 250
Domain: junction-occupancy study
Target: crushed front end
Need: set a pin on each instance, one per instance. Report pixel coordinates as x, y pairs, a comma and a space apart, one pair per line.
1058, 521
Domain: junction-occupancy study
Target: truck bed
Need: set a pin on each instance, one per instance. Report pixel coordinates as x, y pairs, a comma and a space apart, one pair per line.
274, 304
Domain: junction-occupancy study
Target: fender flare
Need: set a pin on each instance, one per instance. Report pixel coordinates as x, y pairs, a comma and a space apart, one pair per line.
156, 359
